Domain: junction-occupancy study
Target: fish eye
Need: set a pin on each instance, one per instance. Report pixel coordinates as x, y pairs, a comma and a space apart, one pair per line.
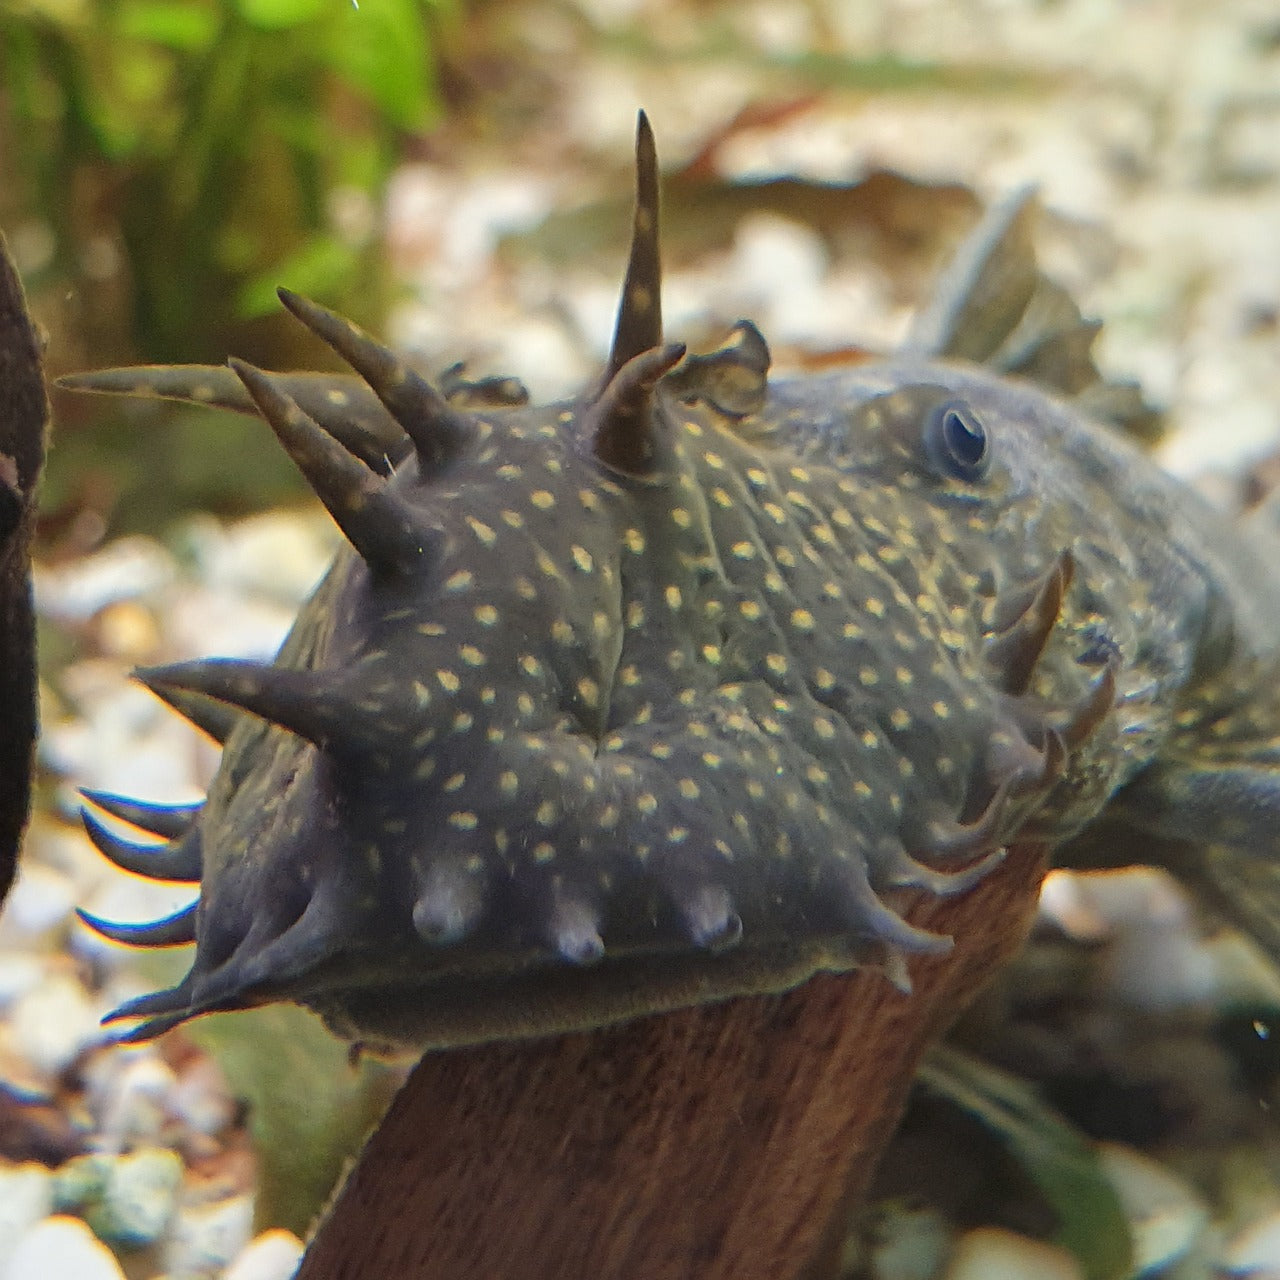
956, 441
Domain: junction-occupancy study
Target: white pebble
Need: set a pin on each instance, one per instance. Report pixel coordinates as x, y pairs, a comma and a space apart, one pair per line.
201, 1099
134, 1104
1255, 1251
206, 1238
19, 974
279, 555
61, 1247
911, 1244
38, 909
51, 1024
26, 1196
991, 1253
1165, 1216
274, 1255
139, 1197
127, 569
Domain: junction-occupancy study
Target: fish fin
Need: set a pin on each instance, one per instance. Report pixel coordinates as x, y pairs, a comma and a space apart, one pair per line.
995, 306
1223, 804
1214, 825
1238, 885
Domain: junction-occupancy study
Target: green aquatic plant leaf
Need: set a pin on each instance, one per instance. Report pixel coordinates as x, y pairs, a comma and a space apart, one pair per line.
1059, 1159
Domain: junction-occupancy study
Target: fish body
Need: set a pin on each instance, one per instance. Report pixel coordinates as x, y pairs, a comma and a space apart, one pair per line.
683, 688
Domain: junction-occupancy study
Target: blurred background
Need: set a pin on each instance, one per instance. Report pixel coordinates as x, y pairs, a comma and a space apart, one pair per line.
456, 175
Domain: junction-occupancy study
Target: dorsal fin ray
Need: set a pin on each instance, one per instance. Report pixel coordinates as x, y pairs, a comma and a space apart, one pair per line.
994, 304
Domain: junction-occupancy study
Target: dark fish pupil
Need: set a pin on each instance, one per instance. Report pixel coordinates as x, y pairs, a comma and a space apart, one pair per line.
966, 440
956, 441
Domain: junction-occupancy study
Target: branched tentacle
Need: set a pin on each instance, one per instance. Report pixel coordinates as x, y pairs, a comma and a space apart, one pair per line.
178, 860
439, 432
171, 931
167, 820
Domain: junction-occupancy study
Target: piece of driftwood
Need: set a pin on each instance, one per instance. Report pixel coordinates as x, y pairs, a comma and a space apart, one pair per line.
24, 416
725, 1142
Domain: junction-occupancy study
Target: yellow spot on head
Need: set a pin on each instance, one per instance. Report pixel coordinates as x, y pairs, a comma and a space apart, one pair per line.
681, 518
542, 499
486, 615
448, 680
647, 803
463, 820
482, 531
802, 620
673, 596
460, 581
582, 558
899, 718
471, 655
